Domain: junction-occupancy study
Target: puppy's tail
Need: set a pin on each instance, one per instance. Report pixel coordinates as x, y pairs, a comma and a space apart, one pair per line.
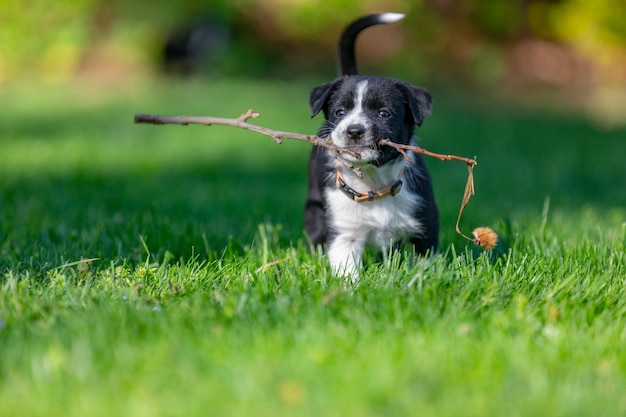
346, 58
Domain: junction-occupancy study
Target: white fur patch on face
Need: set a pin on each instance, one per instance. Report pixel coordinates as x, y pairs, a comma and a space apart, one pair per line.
339, 134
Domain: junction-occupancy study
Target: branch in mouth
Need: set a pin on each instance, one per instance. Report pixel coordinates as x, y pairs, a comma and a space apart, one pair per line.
325, 142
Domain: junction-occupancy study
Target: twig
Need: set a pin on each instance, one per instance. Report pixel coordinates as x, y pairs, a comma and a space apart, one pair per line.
326, 142
467, 195
242, 122
417, 149
271, 264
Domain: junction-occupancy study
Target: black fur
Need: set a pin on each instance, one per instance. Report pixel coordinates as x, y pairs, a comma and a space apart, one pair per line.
346, 61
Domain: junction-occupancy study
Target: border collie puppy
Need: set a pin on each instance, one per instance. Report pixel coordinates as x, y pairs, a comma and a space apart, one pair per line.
393, 203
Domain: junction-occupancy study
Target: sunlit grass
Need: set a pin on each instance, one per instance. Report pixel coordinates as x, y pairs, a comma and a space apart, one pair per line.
162, 270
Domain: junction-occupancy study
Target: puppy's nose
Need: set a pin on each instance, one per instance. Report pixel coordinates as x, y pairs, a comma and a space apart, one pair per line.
355, 131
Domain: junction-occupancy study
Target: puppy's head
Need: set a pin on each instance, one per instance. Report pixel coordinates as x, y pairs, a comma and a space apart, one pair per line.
360, 111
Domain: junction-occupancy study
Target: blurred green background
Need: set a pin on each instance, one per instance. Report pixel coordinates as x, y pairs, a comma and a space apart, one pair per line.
576, 46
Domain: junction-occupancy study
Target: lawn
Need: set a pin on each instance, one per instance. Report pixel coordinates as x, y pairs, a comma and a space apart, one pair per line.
162, 270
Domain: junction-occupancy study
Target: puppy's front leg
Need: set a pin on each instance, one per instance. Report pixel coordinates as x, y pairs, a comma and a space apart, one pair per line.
344, 254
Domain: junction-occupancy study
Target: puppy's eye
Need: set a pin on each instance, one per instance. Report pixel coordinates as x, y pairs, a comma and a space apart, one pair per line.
384, 114
340, 112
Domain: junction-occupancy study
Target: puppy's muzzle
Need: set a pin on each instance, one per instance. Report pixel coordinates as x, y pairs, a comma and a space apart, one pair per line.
355, 132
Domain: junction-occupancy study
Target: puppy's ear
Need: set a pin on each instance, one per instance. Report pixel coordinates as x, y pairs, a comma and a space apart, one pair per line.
419, 101
318, 99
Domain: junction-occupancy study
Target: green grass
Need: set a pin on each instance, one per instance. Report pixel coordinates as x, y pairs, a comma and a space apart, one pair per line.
157, 271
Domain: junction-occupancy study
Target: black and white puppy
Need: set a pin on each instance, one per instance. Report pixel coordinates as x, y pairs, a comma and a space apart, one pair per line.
393, 203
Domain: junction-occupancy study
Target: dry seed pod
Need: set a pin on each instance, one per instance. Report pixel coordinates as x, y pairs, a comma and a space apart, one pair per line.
485, 237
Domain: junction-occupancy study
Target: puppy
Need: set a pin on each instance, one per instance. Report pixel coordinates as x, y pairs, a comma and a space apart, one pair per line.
393, 203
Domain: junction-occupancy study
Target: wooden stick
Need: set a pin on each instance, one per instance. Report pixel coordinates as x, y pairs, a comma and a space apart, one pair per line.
417, 149
242, 122
326, 142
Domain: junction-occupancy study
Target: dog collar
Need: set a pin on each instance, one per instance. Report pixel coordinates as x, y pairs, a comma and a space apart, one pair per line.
359, 197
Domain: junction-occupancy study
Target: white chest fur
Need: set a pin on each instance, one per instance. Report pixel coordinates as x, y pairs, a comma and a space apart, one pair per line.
377, 223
